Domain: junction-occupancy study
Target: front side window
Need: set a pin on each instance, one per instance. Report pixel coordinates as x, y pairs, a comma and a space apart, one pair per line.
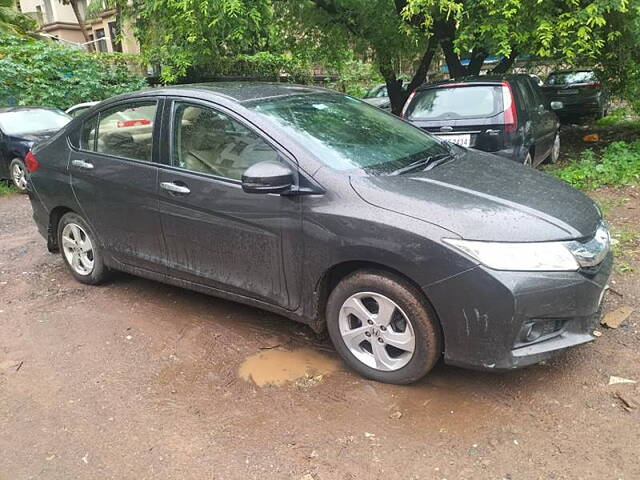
126, 131
208, 141
347, 134
456, 102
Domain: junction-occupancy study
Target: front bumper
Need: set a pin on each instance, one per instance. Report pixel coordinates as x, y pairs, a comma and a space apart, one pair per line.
484, 313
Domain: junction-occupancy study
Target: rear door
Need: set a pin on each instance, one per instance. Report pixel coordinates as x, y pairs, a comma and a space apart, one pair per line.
468, 114
215, 233
115, 180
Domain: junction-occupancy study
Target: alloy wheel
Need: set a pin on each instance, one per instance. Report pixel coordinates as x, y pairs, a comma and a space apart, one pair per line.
376, 331
77, 248
528, 160
555, 150
19, 176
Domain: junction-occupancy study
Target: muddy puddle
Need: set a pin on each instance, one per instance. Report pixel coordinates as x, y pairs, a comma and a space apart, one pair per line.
277, 367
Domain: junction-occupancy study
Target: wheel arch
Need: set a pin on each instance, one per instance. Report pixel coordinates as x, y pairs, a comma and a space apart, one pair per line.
55, 215
337, 272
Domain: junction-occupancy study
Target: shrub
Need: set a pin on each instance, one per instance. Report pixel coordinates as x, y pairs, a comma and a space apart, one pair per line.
617, 164
35, 72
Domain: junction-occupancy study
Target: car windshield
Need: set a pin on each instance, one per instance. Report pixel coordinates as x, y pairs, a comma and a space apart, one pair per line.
451, 103
346, 134
568, 78
30, 122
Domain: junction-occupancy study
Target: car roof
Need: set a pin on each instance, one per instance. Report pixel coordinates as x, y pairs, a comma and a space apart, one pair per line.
240, 92
479, 79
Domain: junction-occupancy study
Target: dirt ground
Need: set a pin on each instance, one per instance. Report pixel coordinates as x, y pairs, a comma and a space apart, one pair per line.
139, 380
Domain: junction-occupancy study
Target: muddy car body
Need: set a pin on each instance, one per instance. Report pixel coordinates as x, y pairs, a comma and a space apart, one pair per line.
250, 192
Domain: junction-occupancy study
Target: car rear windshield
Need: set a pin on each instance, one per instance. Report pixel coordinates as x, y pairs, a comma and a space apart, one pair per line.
568, 78
456, 102
346, 133
31, 122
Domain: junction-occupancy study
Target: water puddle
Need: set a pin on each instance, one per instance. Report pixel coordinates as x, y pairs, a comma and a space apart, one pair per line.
277, 367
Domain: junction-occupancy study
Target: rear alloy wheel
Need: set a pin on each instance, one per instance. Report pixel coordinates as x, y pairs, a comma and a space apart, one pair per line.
18, 173
383, 328
555, 150
80, 250
528, 160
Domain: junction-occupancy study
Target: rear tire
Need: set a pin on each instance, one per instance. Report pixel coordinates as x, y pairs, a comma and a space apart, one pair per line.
80, 250
383, 328
555, 150
18, 173
528, 160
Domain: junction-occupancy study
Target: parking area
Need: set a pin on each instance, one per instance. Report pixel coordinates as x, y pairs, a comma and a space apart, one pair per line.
137, 379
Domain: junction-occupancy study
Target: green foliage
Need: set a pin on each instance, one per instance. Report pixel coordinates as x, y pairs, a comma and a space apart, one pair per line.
7, 189
623, 116
207, 34
12, 21
356, 78
620, 59
34, 72
618, 164
571, 29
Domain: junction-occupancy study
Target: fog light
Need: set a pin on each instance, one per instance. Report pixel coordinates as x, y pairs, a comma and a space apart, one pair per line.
532, 331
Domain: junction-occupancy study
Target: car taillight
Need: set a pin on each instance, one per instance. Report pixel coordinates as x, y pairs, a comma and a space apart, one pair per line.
510, 114
592, 85
31, 162
406, 104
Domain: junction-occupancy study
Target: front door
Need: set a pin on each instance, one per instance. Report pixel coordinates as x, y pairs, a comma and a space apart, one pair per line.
215, 233
115, 180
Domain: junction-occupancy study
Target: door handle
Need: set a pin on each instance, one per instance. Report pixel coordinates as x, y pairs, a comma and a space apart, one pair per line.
82, 164
175, 188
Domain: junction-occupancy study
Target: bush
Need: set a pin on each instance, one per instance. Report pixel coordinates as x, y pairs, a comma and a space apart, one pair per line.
35, 72
618, 164
619, 116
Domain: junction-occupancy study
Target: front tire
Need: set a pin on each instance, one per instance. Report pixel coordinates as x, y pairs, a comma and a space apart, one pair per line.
18, 172
383, 328
80, 250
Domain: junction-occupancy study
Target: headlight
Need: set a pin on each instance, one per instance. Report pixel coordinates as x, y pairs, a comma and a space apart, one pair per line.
542, 256
594, 251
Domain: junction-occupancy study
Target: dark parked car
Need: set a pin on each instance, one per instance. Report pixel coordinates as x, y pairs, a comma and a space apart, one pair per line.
580, 92
505, 115
20, 128
319, 207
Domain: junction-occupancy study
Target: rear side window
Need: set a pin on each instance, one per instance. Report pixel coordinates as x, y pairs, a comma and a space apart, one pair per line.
123, 131
451, 103
568, 78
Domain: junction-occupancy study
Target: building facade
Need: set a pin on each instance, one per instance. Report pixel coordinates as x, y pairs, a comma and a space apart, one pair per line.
58, 21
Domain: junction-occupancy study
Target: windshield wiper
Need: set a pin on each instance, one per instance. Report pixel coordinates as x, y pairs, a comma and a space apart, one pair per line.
426, 162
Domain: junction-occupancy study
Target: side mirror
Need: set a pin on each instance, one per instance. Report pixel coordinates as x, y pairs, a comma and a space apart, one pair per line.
556, 105
267, 177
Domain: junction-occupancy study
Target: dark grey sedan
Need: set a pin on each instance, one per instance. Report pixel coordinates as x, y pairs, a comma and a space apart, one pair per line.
319, 207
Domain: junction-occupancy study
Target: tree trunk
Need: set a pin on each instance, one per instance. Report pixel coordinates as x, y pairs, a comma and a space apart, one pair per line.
456, 69
478, 57
80, 18
506, 63
398, 95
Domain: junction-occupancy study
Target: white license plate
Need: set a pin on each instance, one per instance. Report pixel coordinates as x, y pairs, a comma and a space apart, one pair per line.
568, 92
462, 140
